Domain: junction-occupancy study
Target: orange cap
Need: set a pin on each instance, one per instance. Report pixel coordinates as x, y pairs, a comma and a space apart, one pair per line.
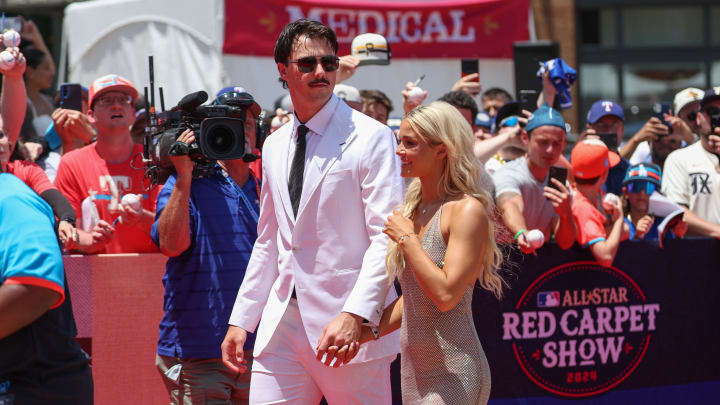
591, 158
108, 83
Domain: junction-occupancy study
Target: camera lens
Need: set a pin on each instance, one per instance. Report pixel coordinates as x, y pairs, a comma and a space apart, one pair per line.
221, 140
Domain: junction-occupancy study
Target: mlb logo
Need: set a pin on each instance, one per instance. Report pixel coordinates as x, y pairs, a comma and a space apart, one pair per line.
548, 299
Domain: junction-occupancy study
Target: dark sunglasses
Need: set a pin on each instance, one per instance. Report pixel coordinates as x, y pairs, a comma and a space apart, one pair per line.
712, 111
638, 186
691, 116
329, 63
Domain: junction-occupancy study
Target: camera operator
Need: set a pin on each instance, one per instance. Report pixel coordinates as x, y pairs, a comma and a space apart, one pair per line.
692, 174
207, 226
96, 177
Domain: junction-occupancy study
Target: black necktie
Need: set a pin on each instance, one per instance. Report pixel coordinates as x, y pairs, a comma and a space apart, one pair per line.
297, 169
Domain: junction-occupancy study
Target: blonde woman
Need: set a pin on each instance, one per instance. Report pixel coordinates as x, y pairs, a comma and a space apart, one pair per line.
441, 243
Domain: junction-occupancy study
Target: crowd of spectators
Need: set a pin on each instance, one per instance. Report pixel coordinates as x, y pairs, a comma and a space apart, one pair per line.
85, 163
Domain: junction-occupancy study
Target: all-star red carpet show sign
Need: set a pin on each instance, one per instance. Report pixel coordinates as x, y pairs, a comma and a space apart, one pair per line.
580, 329
645, 330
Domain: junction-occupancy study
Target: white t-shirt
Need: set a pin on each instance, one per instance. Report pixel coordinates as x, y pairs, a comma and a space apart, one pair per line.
692, 179
641, 154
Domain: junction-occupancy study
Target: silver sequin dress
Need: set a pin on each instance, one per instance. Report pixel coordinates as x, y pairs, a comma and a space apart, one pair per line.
442, 361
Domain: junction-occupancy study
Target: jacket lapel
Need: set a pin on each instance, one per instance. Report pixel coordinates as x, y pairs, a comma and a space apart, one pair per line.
339, 134
282, 165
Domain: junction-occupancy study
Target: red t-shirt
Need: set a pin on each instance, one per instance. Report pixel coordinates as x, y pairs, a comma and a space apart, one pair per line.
31, 174
590, 222
84, 176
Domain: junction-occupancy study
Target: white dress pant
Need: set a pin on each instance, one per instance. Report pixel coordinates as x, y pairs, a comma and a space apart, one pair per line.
287, 372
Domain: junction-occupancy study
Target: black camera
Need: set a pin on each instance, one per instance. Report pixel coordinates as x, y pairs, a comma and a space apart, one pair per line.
219, 133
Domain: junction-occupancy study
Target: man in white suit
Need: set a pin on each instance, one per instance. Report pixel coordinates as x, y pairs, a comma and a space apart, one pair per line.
317, 271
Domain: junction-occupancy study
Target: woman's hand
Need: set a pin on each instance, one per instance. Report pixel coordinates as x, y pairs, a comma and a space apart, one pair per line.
397, 226
643, 226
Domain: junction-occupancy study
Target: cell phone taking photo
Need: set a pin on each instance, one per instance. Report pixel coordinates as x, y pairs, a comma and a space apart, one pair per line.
528, 100
71, 96
558, 173
470, 66
610, 140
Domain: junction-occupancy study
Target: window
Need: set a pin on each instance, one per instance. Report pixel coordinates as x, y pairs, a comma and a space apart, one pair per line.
662, 26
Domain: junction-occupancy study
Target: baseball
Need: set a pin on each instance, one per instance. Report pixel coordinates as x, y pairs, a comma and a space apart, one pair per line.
415, 95
610, 201
133, 201
535, 238
7, 60
11, 39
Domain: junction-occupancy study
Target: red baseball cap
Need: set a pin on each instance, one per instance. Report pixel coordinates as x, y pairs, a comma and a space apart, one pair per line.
591, 158
111, 82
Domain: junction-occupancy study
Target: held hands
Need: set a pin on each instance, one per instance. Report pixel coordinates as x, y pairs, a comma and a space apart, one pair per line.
233, 355
397, 226
651, 131
339, 340
67, 234
71, 125
128, 215
410, 102
18, 68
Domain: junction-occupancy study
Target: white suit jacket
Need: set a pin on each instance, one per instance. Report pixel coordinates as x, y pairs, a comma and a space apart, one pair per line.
334, 252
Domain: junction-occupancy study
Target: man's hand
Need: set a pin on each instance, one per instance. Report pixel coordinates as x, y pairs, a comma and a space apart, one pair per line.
233, 355
183, 164
643, 226
19, 68
651, 131
102, 233
71, 125
33, 150
410, 103
559, 198
714, 141
468, 84
67, 233
523, 244
342, 331
128, 216
679, 127
348, 64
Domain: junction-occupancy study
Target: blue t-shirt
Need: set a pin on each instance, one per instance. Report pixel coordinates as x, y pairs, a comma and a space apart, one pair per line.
33, 357
201, 283
652, 233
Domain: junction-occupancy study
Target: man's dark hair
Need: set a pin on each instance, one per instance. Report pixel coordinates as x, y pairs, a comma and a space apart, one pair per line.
460, 99
299, 28
376, 96
33, 56
495, 93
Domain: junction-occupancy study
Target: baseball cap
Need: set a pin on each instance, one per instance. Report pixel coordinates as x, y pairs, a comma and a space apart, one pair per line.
604, 108
508, 109
111, 82
591, 158
482, 119
644, 172
545, 115
685, 97
710, 95
371, 49
348, 93
235, 89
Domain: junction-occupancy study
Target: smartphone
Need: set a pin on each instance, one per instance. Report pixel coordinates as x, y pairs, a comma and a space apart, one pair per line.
559, 173
13, 23
528, 100
610, 140
71, 96
470, 66
659, 111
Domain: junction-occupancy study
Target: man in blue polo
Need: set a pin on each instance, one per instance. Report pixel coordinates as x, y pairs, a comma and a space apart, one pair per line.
40, 361
207, 226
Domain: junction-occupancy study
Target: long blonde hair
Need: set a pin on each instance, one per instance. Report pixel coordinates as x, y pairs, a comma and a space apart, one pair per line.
441, 123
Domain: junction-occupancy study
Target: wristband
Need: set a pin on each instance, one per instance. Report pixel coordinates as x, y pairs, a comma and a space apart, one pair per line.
520, 232
402, 238
375, 332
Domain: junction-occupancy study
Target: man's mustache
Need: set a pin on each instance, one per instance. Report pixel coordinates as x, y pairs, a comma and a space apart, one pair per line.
324, 81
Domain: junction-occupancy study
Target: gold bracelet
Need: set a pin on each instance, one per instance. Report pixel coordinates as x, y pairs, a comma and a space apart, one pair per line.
402, 237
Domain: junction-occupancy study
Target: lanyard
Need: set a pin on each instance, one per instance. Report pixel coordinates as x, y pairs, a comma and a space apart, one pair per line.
244, 197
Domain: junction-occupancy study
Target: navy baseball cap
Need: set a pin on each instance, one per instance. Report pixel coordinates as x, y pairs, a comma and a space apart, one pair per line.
234, 89
543, 116
604, 108
710, 95
483, 119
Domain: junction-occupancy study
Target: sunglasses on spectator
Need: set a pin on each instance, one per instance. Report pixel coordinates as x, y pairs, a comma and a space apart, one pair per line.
329, 63
638, 186
712, 111
691, 116
110, 100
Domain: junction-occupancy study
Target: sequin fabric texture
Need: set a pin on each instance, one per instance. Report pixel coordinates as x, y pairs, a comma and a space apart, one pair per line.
442, 361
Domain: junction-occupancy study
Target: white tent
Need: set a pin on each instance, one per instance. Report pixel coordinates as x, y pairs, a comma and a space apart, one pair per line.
186, 37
